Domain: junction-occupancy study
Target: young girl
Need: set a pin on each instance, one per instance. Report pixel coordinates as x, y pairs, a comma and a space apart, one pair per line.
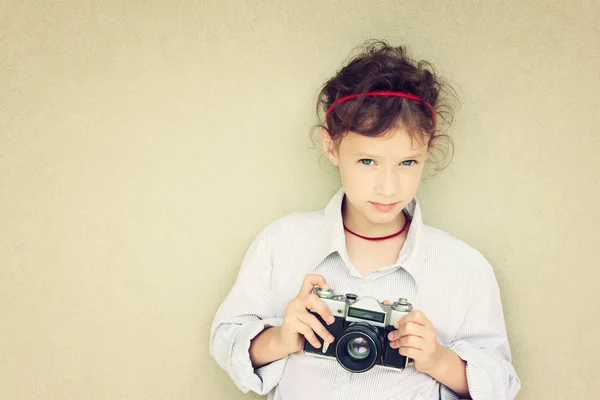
380, 115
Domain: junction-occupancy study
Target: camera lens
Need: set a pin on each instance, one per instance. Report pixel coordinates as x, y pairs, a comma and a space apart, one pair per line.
358, 348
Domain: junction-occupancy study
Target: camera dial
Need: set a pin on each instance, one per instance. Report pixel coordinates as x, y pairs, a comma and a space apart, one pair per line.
402, 305
324, 293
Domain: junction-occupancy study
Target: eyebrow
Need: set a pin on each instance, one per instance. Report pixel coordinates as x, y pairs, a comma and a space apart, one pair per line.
407, 157
365, 155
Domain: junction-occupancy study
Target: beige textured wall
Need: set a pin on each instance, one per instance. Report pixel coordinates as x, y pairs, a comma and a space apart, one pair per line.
144, 144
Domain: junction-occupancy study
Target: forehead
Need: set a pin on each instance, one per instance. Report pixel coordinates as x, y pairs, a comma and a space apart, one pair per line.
395, 143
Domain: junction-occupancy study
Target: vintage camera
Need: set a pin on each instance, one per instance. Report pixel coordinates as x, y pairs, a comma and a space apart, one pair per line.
360, 329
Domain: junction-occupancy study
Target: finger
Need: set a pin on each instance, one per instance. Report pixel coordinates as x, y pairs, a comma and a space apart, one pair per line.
317, 327
387, 302
308, 334
410, 352
415, 316
318, 305
409, 328
312, 280
409, 341
412, 341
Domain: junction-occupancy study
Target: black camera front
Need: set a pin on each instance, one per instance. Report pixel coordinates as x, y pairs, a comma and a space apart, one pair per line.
360, 329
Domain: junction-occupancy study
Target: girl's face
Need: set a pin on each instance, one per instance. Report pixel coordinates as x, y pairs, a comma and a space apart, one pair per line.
380, 175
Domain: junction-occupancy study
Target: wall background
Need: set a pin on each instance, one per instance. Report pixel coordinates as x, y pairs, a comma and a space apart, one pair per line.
144, 144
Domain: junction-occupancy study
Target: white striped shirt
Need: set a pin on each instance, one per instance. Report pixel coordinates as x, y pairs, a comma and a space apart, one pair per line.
449, 281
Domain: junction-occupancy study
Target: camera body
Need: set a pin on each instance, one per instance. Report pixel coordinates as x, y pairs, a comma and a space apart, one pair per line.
360, 329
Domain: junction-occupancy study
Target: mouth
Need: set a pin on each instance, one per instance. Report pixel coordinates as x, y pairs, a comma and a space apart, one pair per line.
383, 207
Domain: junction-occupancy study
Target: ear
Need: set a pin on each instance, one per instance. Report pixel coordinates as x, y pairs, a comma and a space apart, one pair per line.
329, 148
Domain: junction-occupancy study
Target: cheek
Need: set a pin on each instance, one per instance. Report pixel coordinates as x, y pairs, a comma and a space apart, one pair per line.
353, 176
357, 185
354, 188
412, 179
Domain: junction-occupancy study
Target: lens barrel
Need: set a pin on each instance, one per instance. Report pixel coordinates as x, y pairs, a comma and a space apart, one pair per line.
358, 347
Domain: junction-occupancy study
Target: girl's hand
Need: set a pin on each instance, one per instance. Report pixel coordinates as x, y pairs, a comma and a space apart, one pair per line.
415, 338
298, 324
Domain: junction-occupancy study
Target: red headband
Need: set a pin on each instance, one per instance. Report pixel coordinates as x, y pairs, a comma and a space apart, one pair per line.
382, 93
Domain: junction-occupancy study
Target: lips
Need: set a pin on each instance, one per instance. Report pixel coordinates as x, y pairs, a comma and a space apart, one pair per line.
384, 207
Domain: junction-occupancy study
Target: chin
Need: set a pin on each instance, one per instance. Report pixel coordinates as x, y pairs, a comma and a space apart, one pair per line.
382, 218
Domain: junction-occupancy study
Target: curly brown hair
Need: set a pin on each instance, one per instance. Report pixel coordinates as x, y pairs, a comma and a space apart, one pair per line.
379, 67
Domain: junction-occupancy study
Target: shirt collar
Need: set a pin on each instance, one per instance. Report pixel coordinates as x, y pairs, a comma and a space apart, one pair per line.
332, 237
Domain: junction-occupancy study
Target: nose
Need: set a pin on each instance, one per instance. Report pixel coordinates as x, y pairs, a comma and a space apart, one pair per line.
387, 182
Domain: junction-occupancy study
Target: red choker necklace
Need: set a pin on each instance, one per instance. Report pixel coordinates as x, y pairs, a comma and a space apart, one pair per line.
382, 237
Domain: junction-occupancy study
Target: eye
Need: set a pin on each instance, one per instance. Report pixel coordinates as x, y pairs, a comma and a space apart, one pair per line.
366, 161
408, 163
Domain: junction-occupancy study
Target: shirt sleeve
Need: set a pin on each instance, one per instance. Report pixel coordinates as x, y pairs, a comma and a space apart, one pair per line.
483, 343
247, 311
